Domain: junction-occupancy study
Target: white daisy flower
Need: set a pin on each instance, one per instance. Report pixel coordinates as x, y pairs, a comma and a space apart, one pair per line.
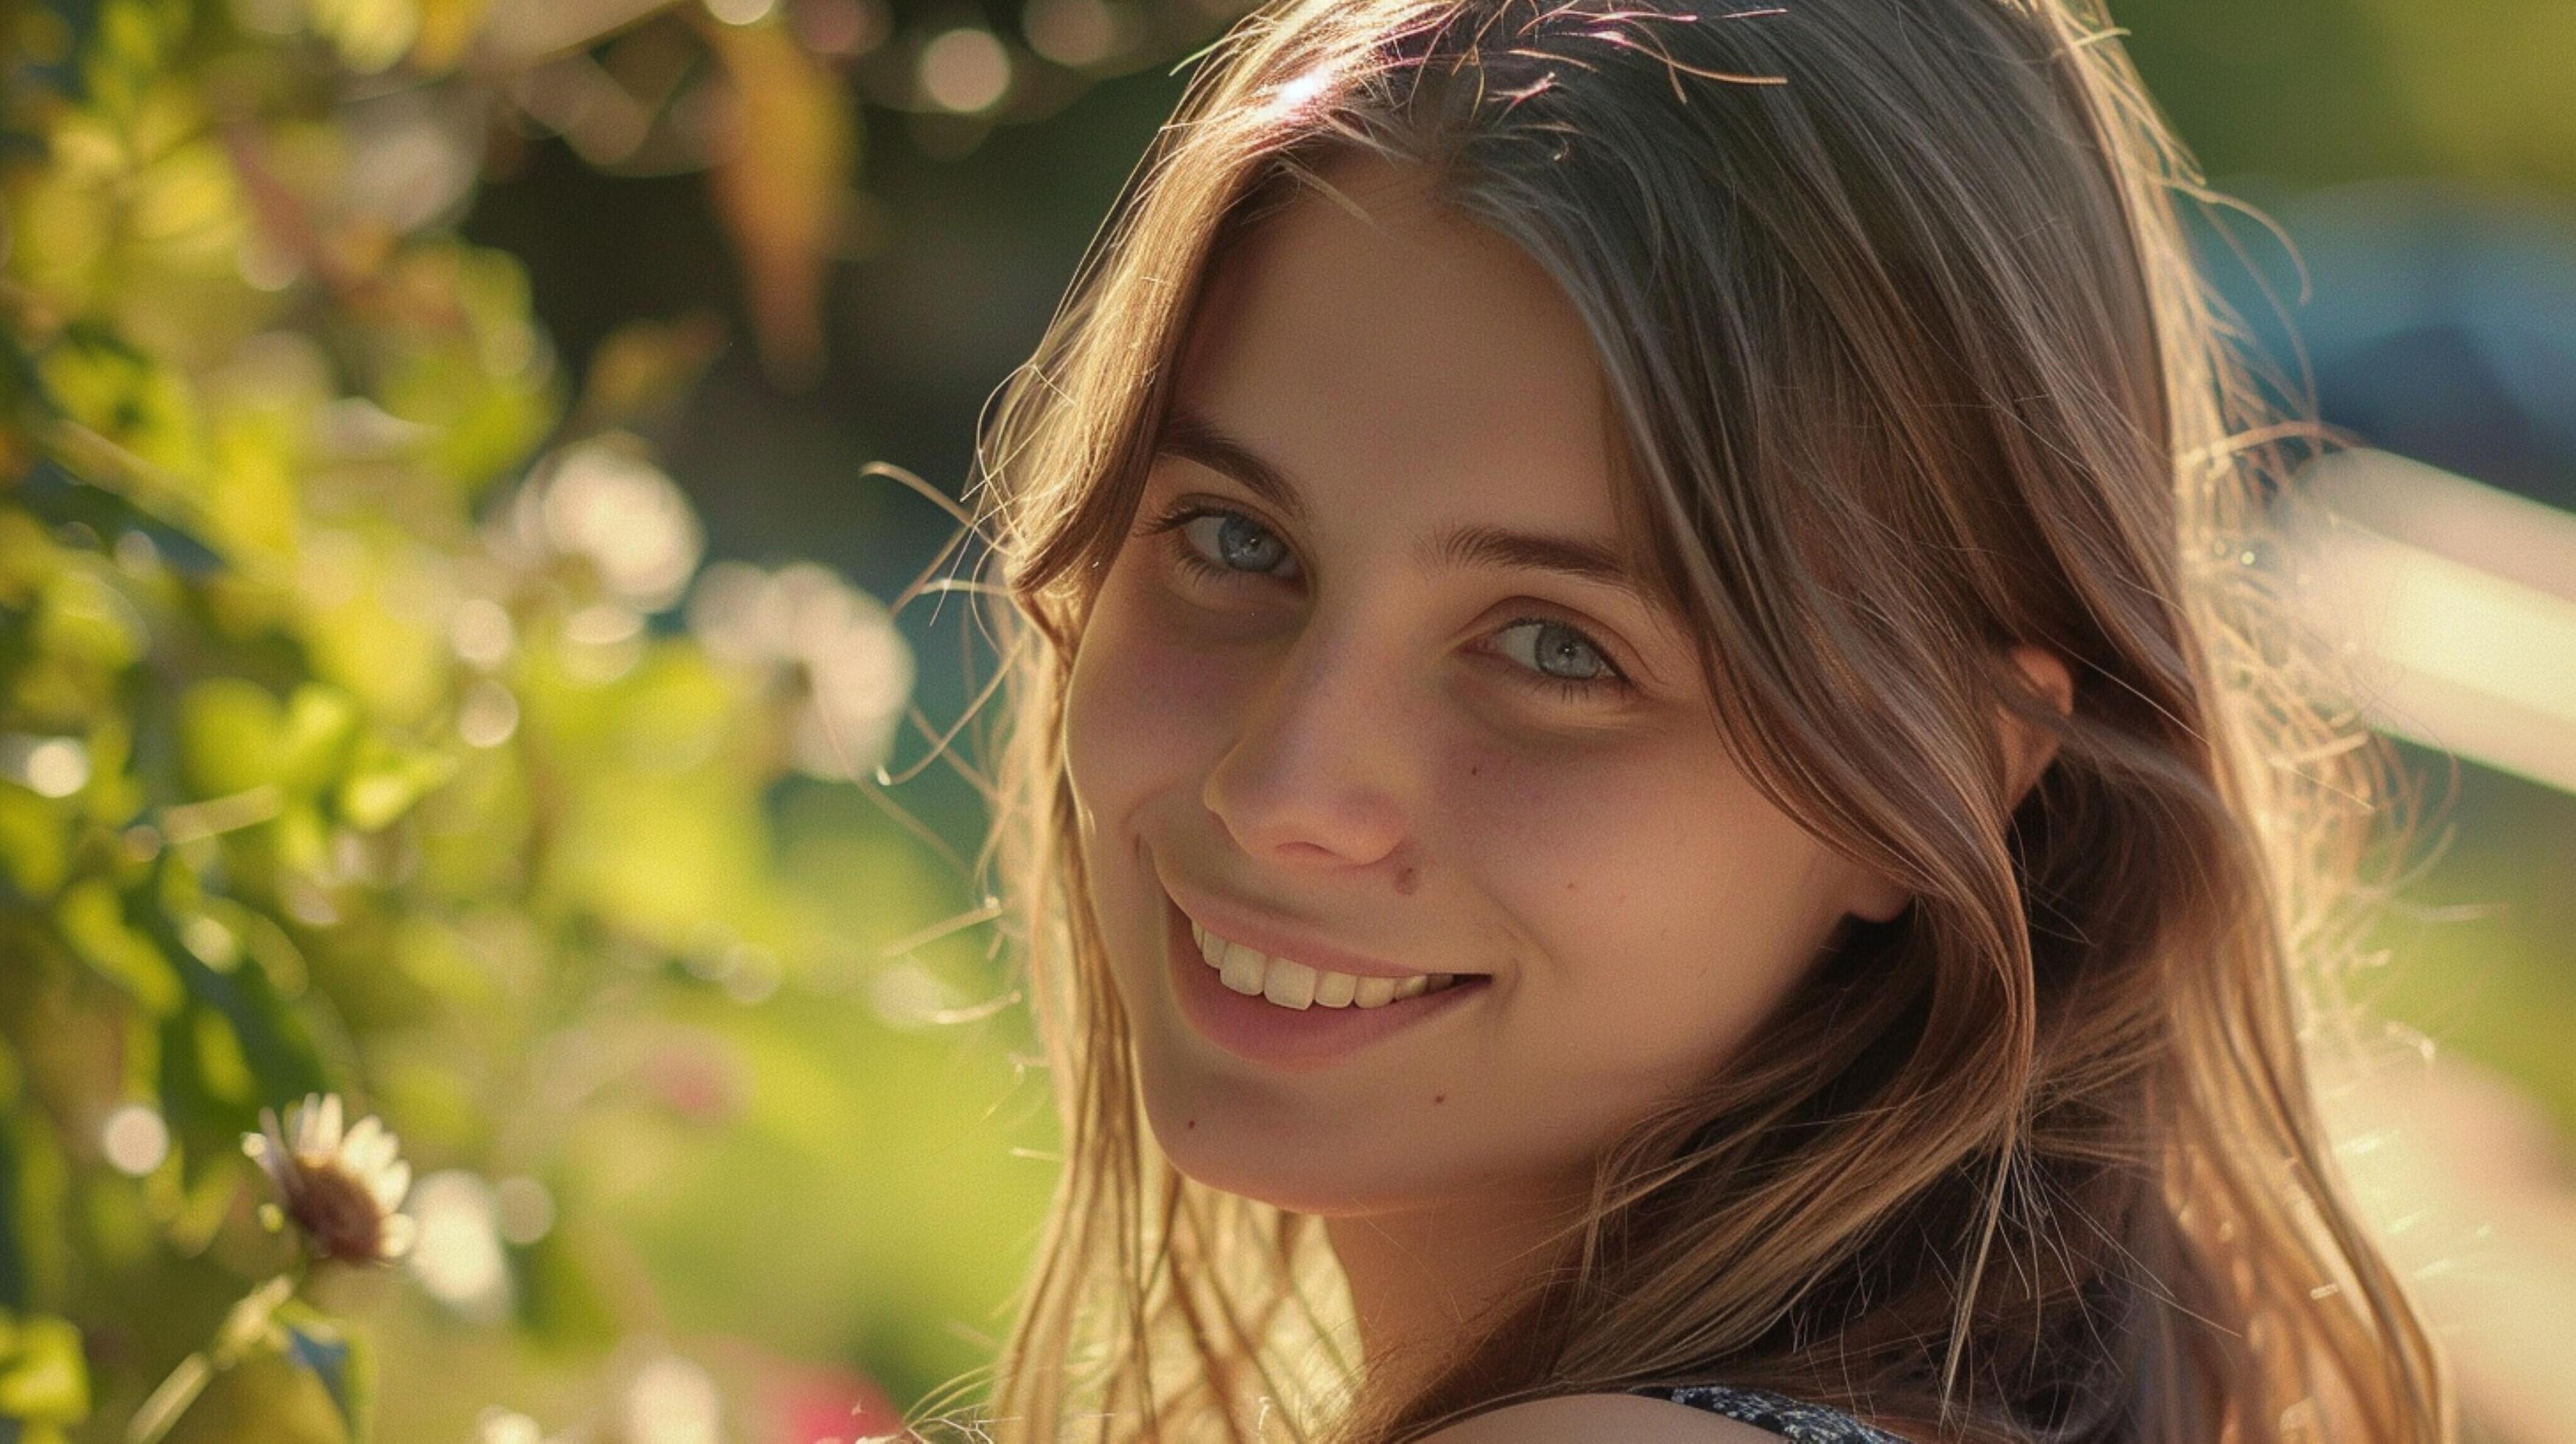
343, 1190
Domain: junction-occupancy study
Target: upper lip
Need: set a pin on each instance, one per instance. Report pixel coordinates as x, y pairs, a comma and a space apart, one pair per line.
1266, 935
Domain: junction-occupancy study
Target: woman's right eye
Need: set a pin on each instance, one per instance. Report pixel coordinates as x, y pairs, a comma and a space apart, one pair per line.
1217, 543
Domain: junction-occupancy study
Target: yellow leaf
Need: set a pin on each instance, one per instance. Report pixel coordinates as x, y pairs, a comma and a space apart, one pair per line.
643, 368
447, 29
781, 188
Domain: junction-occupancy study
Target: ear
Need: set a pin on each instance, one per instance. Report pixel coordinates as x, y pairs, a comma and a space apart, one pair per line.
2027, 750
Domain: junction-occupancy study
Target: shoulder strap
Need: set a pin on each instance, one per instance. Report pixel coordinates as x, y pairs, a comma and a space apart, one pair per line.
1794, 1420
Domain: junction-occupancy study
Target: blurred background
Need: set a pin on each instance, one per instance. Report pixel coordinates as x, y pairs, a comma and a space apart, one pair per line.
446, 659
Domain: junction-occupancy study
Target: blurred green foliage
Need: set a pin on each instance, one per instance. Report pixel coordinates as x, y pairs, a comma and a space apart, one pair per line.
352, 739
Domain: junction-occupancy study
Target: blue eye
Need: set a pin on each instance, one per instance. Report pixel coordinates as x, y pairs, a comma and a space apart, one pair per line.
1553, 645
1242, 546
1560, 656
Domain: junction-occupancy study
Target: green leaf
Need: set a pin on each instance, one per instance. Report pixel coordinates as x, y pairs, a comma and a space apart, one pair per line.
113, 795
269, 1396
129, 45
220, 1063
563, 1308
35, 1181
384, 788
338, 1357
92, 918
43, 1377
257, 1029
84, 616
314, 740
125, 396
490, 395
228, 736
34, 852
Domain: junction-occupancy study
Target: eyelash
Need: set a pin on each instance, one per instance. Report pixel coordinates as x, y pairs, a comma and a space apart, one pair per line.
1612, 681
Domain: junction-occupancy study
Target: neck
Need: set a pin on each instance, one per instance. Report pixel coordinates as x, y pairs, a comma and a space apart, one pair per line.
1424, 1281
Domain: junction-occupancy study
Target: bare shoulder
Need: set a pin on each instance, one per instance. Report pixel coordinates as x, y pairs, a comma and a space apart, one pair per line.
1577, 1418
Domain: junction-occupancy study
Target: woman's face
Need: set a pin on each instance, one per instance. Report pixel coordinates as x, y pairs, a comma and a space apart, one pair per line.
1342, 700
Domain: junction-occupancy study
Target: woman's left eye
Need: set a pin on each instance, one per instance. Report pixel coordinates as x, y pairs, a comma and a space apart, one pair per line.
1240, 545
1552, 644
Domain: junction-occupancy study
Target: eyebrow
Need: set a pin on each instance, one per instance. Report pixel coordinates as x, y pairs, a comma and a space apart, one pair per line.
1193, 438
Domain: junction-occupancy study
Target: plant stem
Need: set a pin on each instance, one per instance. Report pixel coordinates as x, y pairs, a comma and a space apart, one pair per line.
246, 1325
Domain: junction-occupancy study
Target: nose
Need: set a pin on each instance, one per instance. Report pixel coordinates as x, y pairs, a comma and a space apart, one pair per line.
1309, 778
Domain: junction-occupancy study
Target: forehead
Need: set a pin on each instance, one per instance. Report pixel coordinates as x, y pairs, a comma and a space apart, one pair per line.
1403, 342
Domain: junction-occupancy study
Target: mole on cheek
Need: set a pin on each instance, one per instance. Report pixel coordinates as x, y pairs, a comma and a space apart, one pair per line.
1439, 1097
1406, 881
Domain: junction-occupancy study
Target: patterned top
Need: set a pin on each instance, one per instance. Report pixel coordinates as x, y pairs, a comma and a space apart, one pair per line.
1791, 1419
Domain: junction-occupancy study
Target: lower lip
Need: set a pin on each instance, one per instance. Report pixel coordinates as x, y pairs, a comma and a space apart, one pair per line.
1257, 1030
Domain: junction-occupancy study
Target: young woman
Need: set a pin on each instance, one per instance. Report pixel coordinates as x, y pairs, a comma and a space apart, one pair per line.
1648, 794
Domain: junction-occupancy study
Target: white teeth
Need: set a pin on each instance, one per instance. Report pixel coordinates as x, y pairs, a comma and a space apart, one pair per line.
1243, 968
1290, 985
1295, 985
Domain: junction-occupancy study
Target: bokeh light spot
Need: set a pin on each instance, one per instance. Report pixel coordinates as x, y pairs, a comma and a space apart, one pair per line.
487, 715
135, 1140
965, 70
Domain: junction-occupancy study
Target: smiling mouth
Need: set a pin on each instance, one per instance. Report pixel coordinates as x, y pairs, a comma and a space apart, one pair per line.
1292, 984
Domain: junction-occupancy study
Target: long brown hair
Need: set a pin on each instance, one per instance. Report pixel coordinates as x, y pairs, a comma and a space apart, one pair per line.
1910, 362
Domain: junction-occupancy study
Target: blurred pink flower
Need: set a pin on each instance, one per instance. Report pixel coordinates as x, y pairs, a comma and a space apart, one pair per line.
823, 1404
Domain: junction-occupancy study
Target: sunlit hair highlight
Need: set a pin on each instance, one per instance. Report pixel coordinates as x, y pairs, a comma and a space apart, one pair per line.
1911, 364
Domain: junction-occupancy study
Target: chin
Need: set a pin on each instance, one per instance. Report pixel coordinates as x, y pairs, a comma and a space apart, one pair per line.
1218, 1134
1230, 1132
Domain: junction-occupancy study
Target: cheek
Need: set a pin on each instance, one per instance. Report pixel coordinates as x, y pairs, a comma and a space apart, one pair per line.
1139, 708
1665, 905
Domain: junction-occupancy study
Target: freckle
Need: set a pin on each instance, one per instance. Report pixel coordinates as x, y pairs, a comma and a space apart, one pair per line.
1406, 881
1439, 1097
1194, 1123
